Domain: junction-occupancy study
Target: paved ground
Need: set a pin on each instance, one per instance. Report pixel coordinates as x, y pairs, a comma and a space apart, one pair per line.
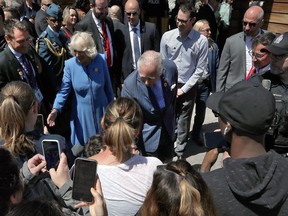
194, 153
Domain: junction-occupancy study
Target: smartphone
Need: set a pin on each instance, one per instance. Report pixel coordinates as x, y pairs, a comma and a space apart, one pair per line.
51, 151
214, 139
84, 177
39, 125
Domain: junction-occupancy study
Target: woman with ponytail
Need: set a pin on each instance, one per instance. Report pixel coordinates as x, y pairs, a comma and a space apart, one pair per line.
125, 177
18, 115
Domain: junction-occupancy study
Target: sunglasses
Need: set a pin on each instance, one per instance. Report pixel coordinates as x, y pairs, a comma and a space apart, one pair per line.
258, 55
46, 5
251, 24
56, 20
130, 14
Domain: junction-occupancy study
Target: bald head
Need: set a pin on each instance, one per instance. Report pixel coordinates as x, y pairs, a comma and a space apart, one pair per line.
132, 11
255, 11
253, 21
115, 12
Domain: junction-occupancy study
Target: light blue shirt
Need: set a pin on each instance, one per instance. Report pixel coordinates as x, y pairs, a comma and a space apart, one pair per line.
190, 55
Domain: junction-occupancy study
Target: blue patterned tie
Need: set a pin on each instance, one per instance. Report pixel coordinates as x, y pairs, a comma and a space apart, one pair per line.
136, 45
29, 72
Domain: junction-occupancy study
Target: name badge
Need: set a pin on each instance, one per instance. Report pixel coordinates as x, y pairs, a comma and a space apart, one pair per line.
38, 94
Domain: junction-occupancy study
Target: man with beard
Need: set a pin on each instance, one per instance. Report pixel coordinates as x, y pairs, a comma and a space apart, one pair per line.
236, 63
101, 27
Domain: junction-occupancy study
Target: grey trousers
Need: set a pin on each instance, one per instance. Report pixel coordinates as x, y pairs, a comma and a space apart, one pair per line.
184, 108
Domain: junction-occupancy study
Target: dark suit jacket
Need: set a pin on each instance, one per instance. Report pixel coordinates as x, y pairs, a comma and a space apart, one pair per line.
150, 40
119, 47
10, 68
40, 22
10, 71
154, 118
87, 24
207, 13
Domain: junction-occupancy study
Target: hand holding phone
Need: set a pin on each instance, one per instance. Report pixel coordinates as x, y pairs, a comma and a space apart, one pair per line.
214, 139
61, 175
51, 152
39, 125
98, 207
84, 179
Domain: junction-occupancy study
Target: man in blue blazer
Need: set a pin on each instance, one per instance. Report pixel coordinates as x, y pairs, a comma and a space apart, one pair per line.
154, 87
147, 36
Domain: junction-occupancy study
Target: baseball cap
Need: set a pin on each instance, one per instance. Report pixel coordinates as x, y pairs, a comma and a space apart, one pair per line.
279, 45
247, 106
54, 10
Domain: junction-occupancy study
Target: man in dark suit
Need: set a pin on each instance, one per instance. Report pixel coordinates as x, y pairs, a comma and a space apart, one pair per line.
115, 14
40, 18
16, 64
208, 12
145, 32
154, 86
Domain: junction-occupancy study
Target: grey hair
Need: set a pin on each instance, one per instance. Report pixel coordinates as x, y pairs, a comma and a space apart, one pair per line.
83, 41
151, 57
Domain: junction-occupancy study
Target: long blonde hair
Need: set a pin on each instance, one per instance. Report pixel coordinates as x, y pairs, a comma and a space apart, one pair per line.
17, 98
178, 190
121, 123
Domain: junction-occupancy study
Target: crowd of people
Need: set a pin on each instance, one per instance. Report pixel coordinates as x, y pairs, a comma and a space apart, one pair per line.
116, 83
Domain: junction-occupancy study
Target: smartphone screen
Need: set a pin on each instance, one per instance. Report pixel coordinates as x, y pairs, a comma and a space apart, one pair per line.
84, 178
51, 152
214, 140
39, 125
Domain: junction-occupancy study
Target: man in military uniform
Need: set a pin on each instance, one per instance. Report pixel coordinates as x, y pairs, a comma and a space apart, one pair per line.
52, 46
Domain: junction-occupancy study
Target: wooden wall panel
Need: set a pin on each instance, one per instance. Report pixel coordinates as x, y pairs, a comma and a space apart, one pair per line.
275, 17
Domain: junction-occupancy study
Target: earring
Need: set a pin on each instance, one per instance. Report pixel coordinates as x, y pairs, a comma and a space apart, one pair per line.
226, 130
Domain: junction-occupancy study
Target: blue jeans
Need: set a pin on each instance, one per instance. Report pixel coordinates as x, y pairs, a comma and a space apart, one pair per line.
203, 92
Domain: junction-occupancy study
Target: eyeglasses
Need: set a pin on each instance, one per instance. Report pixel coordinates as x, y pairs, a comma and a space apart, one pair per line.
46, 5
79, 52
205, 30
55, 20
181, 21
130, 14
251, 24
258, 55
148, 78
